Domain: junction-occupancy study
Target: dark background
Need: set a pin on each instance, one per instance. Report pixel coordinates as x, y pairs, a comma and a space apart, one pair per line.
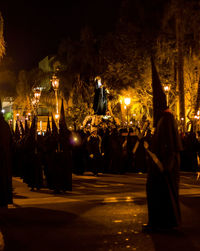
34, 29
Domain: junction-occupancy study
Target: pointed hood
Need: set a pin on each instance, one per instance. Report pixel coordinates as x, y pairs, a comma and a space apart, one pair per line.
159, 97
33, 128
11, 129
48, 130
22, 128
17, 131
26, 127
62, 123
54, 127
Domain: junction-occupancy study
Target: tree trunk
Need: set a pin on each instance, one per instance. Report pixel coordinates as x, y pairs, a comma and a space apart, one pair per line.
180, 63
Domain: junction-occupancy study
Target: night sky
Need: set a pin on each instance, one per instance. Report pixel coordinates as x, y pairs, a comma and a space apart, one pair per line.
33, 29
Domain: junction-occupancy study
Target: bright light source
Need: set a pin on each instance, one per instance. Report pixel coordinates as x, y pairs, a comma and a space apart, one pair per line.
98, 79
3, 111
127, 101
37, 94
166, 88
56, 116
55, 82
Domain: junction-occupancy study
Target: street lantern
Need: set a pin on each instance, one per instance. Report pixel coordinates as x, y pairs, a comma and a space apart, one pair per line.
55, 82
37, 94
127, 102
167, 90
55, 85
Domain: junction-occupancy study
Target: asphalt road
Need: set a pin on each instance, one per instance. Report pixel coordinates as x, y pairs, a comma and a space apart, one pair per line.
101, 213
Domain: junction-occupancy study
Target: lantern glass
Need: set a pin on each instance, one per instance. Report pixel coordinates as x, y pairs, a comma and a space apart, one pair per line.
55, 82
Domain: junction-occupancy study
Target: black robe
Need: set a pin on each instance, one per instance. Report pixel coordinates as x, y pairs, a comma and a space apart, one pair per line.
6, 157
162, 187
100, 101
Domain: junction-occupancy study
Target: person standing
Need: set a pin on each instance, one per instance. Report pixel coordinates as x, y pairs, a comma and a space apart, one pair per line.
6, 159
164, 164
94, 151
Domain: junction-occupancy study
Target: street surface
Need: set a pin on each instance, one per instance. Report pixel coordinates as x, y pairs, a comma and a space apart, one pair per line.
101, 213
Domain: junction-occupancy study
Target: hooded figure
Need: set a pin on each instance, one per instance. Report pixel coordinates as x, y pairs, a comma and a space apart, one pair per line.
159, 97
163, 170
54, 128
22, 128
17, 132
62, 170
48, 130
26, 127
33, 168
6, 158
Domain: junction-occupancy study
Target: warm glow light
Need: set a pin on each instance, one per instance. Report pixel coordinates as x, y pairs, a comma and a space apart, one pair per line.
55, 82
56, 116
166, 88
37, 94
110, 200
17, 114
127, 101
98, 79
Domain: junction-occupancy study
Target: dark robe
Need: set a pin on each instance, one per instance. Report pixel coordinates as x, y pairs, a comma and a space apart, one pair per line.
116, 155
5, 163
93, 148
62, 163
79, 153
100, 101
162, 187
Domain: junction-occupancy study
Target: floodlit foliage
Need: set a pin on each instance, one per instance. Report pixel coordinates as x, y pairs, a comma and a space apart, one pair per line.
2, 42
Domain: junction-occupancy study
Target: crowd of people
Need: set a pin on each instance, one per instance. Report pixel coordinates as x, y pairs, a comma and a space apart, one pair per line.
41, 160
49, 160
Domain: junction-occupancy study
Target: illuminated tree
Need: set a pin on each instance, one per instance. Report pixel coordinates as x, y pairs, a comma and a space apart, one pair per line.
2, 42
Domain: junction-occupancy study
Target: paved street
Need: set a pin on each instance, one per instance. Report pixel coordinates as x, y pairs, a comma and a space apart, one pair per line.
101, 213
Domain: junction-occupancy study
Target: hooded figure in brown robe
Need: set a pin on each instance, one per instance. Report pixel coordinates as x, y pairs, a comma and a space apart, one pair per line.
163, 184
